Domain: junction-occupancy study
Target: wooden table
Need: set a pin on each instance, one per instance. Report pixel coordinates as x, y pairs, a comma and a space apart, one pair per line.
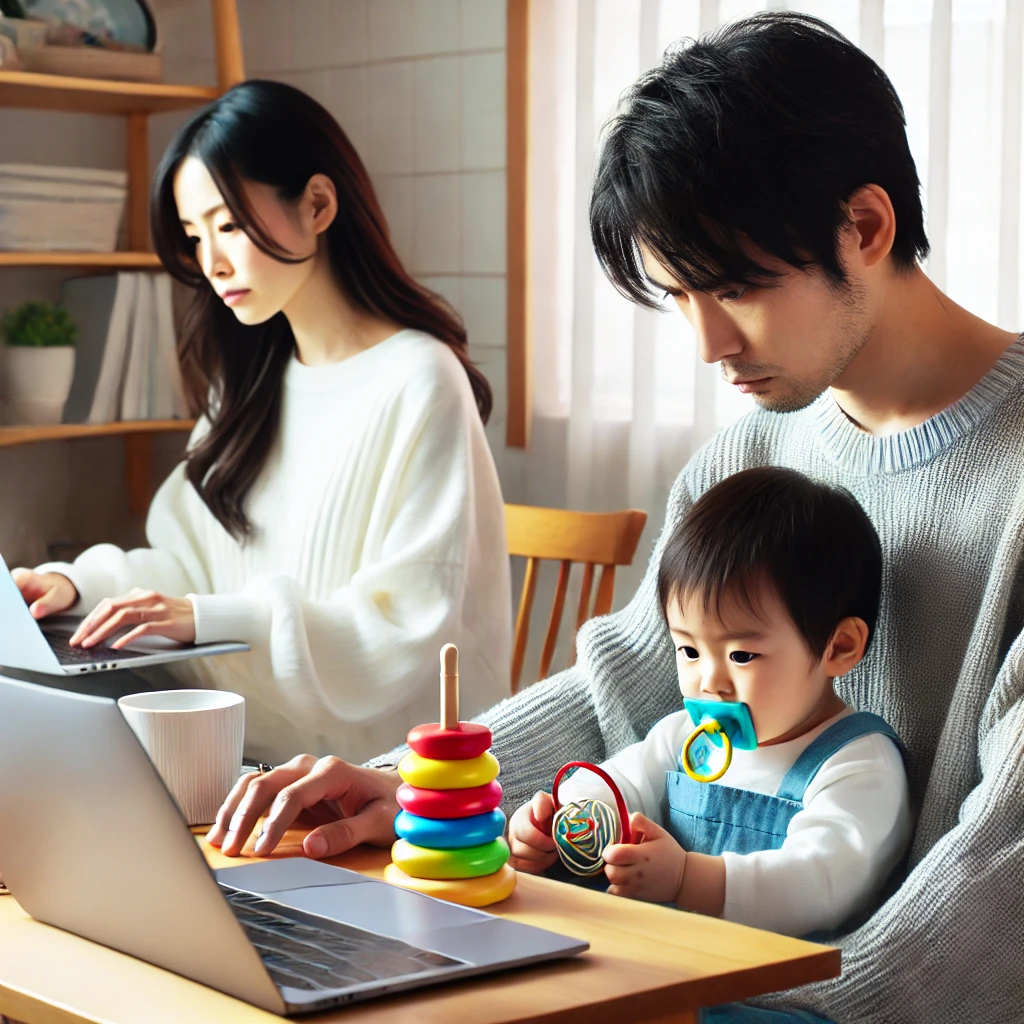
645, 963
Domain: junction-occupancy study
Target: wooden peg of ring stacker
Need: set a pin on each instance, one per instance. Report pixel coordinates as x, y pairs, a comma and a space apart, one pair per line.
450, 687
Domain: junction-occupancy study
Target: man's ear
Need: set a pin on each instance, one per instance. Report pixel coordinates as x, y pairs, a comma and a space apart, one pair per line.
321, 198
846, 648
873, 224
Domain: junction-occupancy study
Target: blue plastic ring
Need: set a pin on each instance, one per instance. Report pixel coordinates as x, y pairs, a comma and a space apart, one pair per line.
450, 833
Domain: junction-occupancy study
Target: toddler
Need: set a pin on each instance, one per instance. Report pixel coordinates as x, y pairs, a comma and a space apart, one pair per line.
770, 590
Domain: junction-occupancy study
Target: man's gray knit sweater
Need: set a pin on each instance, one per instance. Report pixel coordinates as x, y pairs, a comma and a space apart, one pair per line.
946, 670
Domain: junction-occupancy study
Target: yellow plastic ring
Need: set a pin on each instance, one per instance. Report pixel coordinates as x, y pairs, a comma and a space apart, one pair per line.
467, 862
469, 892
709, 726
426, 773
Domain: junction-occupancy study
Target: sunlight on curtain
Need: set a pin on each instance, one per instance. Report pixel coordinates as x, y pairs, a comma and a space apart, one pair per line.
621, 399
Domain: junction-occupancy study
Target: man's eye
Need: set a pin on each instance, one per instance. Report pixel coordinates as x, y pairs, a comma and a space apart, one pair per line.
742, 657
226, 228
690, 653
731, 294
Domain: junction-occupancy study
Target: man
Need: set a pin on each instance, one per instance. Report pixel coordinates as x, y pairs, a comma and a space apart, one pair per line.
761, 177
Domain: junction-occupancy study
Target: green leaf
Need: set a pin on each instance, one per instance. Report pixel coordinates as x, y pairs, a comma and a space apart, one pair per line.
38, 325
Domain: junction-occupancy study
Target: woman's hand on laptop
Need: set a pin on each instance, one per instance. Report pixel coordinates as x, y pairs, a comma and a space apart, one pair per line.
141, 613
47, 593
348, 805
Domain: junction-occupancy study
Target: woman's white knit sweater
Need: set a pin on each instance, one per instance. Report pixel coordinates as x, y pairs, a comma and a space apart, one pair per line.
379, 537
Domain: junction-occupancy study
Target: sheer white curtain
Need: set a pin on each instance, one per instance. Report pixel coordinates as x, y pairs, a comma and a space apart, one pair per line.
621, 398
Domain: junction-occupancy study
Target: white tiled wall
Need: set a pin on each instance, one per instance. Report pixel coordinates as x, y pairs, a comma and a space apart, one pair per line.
419, 87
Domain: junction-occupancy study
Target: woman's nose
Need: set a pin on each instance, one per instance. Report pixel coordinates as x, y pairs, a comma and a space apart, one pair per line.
214, 262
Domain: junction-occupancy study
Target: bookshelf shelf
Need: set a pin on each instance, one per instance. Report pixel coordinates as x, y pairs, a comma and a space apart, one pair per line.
10, 436
83, 260
29, 90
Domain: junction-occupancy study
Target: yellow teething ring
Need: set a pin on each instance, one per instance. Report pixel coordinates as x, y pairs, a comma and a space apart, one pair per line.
469, 892
710, 726
426, 773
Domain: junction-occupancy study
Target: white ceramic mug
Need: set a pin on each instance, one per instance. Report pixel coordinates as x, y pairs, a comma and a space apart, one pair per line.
194, 739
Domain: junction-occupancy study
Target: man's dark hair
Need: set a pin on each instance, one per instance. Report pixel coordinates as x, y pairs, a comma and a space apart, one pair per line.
812, 542
757, 133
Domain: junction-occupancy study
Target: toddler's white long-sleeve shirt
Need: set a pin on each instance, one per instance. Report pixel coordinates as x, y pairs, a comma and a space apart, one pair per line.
839, 850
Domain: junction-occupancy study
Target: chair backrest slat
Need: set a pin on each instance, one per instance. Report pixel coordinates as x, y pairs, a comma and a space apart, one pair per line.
557, 607
605, 539
523, 621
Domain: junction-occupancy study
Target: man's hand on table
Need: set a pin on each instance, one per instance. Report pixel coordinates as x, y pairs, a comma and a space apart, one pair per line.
348, 804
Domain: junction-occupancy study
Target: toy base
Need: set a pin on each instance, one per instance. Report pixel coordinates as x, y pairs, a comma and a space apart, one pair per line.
469, 892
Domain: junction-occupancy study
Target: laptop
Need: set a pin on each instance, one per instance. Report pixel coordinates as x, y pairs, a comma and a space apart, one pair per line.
94, 844
42, 645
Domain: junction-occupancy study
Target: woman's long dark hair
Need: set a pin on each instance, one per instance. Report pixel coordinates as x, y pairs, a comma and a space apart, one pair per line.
275, 134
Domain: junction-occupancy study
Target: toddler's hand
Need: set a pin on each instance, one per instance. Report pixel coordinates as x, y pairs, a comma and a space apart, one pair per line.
532, 850
652, 870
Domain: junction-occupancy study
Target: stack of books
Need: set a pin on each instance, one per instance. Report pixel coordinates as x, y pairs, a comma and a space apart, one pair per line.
76, 209
126, 367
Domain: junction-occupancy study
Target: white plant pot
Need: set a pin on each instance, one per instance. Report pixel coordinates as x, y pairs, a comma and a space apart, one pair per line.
38, 382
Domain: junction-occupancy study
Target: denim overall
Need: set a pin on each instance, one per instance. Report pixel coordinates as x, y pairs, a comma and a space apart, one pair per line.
713, 819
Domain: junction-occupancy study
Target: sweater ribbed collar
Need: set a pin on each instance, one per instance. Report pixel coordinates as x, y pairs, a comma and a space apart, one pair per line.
866, 454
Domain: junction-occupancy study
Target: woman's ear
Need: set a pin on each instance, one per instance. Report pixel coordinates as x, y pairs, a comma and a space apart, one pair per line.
321, 202
846, 648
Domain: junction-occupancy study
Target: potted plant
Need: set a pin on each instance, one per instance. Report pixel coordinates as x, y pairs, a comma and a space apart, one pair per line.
40, 339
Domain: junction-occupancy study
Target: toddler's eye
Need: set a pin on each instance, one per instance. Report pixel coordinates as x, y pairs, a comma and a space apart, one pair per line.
690, 653
742, 657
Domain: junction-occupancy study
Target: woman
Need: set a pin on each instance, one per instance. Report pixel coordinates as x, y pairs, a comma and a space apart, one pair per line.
338, 508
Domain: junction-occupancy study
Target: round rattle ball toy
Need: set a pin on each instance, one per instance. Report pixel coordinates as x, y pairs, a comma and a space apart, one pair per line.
451, 831
582, 829
720, 726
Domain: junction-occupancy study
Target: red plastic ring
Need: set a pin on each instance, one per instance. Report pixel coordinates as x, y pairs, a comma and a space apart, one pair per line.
620, 804
449, 803
468, 741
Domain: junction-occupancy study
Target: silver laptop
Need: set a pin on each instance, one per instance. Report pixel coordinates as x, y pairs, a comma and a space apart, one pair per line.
92, 842
42, 645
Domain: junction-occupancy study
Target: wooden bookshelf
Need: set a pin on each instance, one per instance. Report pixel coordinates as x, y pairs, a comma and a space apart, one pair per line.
136, 100
32, 91
82, 260
70, 431
138, 447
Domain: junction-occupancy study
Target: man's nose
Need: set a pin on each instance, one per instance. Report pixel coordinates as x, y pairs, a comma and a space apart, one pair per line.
717, 336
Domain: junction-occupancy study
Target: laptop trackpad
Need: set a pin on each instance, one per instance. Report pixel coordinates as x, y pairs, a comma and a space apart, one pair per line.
358, 901
379, 907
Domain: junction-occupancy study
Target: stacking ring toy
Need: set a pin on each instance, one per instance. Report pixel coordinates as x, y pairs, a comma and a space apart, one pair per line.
720, 725
581, 830
470, 861
449, 803
450, 829
459, 744
450, 833
423, 773
470, 892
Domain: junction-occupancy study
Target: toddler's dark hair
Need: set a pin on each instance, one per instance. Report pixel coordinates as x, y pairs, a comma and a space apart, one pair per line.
812, 542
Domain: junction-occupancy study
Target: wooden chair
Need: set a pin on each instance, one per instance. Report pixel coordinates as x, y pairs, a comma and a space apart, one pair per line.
604, 539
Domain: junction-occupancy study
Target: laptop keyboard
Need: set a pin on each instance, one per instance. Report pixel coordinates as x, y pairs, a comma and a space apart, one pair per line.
68, 655
315, 953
